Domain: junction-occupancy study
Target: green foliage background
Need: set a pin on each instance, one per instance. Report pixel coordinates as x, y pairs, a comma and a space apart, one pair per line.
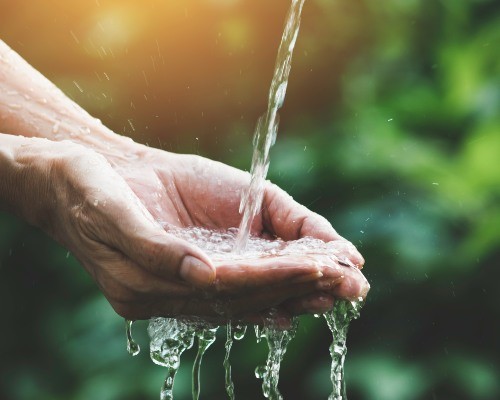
391, 129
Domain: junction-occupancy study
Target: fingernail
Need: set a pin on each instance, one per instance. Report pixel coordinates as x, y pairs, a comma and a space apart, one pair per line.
196, 271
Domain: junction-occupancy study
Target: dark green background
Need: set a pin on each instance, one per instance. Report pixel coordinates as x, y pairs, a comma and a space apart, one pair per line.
391, 129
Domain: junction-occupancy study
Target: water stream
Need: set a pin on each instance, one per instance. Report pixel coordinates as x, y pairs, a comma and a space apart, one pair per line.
267, 125
277, 342
206, 337
338, 321
227, 364
169, 338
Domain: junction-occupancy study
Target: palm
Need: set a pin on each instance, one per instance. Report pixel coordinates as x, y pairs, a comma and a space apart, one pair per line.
188, 190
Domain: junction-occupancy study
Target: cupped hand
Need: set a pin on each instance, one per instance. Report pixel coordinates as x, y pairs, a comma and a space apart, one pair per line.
187, 190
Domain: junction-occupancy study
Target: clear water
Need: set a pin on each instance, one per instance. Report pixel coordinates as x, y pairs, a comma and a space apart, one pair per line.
227, 364
338, 321
206, 337
277, 342
132, 347
267, 125
169, 338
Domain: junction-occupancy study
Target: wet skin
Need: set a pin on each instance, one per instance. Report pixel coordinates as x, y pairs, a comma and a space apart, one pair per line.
102, 197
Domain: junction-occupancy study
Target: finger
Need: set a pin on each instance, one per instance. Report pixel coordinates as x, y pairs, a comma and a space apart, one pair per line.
112, 214
347, 253
239, 307
223, 308
117, 274
317, 303
133, 232
251, 273
290, 220
277, 317
345, 282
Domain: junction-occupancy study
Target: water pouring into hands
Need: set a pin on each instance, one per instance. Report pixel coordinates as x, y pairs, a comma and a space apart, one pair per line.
105, 198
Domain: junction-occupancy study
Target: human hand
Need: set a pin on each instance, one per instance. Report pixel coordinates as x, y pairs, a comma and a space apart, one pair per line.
142, 270
108, 216
187, 190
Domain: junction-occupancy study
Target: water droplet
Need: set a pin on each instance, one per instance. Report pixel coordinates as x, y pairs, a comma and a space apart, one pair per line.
239, 332
55, 128
132, 347
85, 130
78, 86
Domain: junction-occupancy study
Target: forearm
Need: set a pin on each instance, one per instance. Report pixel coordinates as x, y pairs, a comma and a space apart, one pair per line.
32, 106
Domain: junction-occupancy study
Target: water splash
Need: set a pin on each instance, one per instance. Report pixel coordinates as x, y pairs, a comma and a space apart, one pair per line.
338, 321
227, 364
205, 339
169, 338
267, 125
239, 332
132, 347
277, 342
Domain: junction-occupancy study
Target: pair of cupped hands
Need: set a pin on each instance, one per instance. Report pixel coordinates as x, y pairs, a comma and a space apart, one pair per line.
108, 200
105, 210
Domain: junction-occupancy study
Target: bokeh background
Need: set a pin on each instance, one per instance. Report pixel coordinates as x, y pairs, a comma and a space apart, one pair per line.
390, 129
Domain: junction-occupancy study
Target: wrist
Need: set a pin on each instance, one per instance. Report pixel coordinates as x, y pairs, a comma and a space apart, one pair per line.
30, 182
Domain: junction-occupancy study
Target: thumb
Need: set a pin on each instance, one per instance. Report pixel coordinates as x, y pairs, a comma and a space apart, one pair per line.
170, 257
135, 233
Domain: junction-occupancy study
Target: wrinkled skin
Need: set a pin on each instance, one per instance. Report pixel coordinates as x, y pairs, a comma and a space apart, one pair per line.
187, 190
106, 212
105, 198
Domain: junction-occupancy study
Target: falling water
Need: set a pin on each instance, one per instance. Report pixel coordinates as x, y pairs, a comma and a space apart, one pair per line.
267, 125
132, 347
251, 199
277, 342
171, 337
206, 337
227, 364
338, 321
